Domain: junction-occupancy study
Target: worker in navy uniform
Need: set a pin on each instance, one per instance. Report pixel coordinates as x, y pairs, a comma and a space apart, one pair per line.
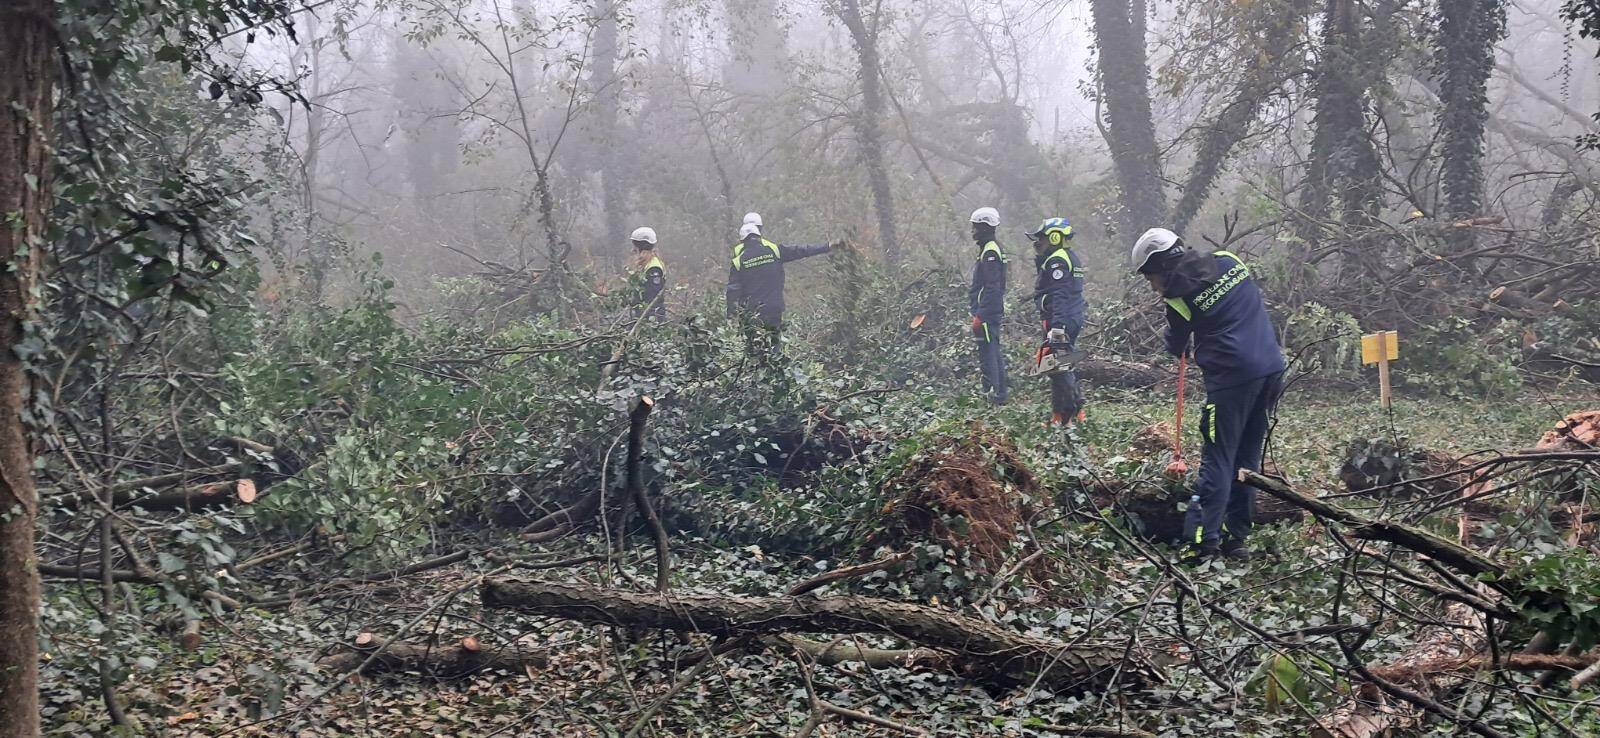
986, 303
755, 276
647, 276
1058, 291
1213, 300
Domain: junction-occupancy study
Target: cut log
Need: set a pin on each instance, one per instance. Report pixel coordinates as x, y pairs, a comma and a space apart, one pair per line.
1154, 510
191, 499
980, 650
189, 637
1579, 431
1108, 372
442, 661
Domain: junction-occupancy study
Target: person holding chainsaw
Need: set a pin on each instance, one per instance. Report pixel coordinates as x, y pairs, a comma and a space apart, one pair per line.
1058, 290
986, 302
1213, 300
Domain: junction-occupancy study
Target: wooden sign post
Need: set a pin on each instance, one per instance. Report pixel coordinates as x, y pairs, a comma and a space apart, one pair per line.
1381, 348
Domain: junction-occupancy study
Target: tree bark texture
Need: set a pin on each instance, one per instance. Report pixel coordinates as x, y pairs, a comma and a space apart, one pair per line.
1344, 163
1464, 54
1266, 73
1129, 126
605, 91
26, 88
869, 121
986, 652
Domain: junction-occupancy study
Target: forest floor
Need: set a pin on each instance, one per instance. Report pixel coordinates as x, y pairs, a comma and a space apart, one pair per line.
261, 679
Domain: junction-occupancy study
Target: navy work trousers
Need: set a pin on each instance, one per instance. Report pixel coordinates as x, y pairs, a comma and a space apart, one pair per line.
992, 362
1233, 425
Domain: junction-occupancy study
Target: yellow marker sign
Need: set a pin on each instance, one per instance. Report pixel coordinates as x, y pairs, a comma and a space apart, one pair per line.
1380, 347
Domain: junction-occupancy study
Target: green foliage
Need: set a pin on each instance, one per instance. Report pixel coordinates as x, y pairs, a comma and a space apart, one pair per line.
1324, 340
1455, 359
1287, 684
1561, 592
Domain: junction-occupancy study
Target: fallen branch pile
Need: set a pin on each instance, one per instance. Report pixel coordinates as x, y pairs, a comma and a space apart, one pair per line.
461, 659
982, 651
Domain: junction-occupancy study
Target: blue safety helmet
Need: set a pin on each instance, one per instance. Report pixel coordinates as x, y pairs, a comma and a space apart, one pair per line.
1057, 230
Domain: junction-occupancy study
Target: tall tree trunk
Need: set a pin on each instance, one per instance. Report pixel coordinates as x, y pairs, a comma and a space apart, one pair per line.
869, 121
26, 88
1276, 42
605, 90
1469, 30
1344, 163
316, 251
1130, 130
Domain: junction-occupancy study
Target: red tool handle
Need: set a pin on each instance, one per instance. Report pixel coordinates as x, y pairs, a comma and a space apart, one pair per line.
1177, 432
1176, 469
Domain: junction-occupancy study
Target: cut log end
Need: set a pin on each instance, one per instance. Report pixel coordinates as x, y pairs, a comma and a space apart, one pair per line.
189, 639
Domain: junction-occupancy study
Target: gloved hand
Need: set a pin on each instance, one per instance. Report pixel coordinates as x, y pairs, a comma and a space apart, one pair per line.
977, 326
839, 245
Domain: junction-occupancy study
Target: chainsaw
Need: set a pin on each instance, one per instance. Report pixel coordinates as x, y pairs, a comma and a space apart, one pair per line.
1048, 363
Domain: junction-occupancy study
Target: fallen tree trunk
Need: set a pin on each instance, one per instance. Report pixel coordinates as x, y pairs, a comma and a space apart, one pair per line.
462, 659
980, 650
1106, 372
1154, 511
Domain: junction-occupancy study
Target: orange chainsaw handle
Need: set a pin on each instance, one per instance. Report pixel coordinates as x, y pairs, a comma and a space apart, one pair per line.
1177, 468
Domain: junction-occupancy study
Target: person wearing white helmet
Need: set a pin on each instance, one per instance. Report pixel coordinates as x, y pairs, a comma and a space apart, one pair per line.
756, 278
986, 303
647, 276
1213, 300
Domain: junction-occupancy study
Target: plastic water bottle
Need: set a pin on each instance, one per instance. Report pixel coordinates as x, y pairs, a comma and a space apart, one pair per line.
1191, 519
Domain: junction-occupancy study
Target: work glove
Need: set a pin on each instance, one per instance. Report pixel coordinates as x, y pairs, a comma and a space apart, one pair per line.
977, 326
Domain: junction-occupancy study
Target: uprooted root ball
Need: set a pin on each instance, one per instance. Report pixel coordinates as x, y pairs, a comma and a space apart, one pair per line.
966, 491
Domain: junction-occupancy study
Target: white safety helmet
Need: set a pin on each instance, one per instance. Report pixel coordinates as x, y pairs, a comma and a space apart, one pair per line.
1155, 241
644, 235
749, 229
988, 216
753, 218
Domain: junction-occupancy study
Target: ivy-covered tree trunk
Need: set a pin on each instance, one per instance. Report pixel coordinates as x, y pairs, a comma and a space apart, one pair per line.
26, 89
1463, 58
1274, 42
869, 122
1129, 127
605, 91
1344, 164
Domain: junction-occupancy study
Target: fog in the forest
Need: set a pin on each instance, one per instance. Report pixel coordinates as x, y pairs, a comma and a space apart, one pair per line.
443, 133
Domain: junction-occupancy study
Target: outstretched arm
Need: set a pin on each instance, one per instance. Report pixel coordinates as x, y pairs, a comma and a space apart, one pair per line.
797, 251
